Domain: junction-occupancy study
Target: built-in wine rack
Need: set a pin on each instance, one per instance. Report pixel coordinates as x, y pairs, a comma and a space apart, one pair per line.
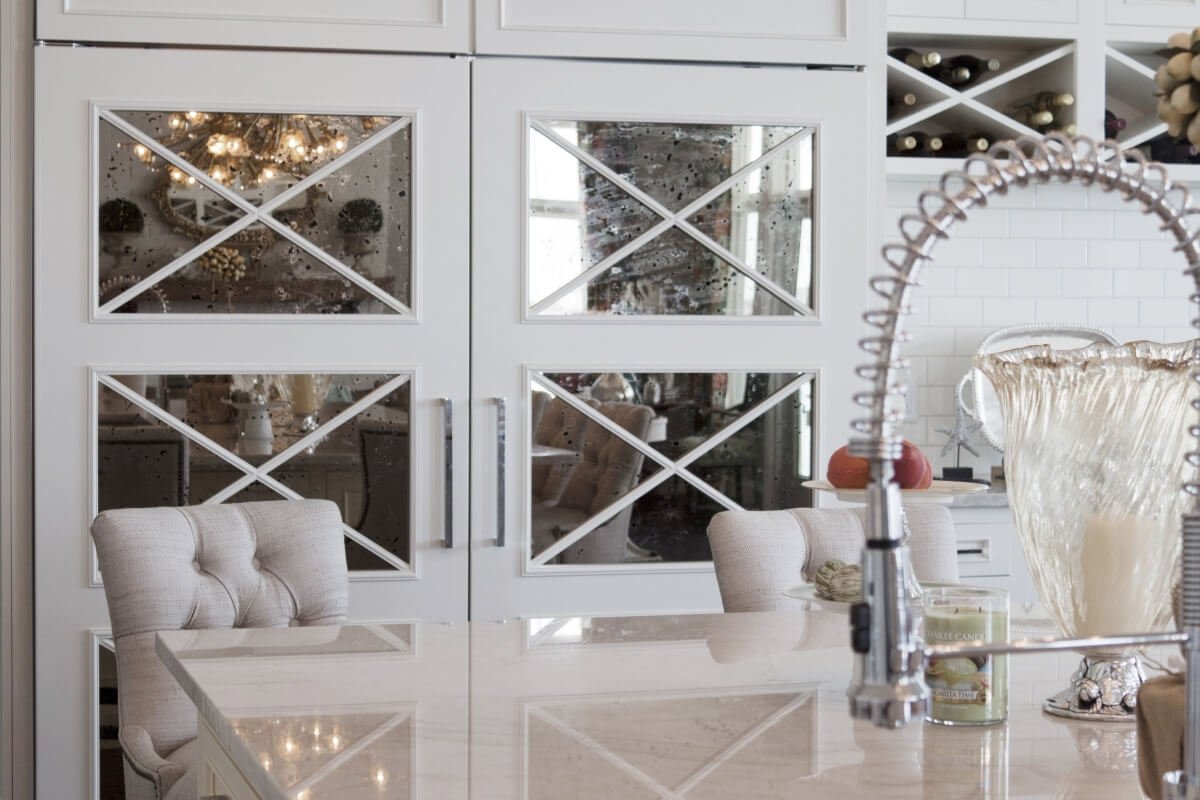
1009, 87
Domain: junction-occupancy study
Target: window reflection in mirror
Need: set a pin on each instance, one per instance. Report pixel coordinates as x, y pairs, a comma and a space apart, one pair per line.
670, 219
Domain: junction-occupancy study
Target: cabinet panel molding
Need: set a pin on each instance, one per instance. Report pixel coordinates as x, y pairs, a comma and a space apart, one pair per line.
420, 25
780, 31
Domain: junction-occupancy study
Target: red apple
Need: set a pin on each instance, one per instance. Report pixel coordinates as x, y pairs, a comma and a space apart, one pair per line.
913, 470
911, 467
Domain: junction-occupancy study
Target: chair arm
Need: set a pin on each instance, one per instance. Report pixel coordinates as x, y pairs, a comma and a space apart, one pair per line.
145, 761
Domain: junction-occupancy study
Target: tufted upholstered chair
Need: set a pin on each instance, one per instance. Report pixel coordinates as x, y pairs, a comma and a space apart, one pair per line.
608, 468
758, 554
247, 565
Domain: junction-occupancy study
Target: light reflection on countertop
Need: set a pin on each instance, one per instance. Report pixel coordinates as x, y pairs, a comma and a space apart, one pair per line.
702, 706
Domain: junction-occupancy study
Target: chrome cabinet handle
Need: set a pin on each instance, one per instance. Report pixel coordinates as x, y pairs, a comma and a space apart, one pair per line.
500, 423
448, 431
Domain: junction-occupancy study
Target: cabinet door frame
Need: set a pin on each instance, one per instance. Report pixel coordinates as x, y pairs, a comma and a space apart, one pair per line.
508, 343
72, 348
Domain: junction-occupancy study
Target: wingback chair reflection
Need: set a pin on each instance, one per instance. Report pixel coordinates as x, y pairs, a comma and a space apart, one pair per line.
759, 554
607, 469
248, 565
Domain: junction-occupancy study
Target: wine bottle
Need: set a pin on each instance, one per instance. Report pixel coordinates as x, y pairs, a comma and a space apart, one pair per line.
1046, 101
915, 58
963, 144
1034, 119
915, 143
1164, 148
900, 101
901, 144
965, 69
1112, 124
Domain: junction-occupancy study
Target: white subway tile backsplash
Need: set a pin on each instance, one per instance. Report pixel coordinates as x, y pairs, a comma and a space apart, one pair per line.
1110, 253
959, 252
1049, 254
985, 223
1036, 282
1138, 283
1098, 198
1051, 310
1171, 312
1111, 311
1000, 312
1134, 334
982, 282
1061, 253
948, 371
1158, 254
938, 281
1009, 253
1135, 225
1178, 334
1087, 224
902, 192
1055, 195
956, 312
1036, 223
935, 342
1093, 283
1016, 198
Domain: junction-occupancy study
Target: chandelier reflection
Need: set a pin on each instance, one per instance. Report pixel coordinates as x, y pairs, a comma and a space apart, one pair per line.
244, 150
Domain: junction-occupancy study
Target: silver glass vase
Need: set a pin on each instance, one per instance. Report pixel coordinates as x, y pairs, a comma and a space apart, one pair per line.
1095, 440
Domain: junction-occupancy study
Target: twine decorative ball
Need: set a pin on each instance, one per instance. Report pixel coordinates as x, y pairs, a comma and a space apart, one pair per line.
1178, 82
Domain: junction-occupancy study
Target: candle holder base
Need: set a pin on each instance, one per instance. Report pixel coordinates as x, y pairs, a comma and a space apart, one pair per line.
1103, 689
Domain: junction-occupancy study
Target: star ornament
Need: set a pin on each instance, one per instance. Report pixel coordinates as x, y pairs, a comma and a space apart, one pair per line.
960, 435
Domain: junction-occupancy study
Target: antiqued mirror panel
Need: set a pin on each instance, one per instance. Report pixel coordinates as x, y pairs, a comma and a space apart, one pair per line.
629, 467
252, 213
175, 439
666, 219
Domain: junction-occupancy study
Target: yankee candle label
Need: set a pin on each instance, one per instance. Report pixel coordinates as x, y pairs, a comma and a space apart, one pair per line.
961, 680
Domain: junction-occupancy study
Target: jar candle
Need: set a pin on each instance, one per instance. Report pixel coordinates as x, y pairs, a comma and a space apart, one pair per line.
966, 690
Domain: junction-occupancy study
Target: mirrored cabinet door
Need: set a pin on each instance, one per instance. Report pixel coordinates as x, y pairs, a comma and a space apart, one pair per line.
667, 287
248, 286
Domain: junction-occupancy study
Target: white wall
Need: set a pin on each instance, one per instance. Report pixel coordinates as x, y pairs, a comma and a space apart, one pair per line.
1046, 254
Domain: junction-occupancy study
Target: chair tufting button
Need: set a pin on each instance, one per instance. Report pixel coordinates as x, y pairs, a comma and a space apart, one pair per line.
254, 562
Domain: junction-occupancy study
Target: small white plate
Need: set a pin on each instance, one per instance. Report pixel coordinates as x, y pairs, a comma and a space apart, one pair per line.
808, 592
938, 491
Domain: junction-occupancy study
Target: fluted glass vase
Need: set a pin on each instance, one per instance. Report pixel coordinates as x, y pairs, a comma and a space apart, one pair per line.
1094, 446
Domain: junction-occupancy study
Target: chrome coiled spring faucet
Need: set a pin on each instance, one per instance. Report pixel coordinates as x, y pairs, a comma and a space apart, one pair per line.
888, 686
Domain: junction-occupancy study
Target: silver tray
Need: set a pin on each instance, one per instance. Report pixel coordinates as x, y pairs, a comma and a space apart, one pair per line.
985, 406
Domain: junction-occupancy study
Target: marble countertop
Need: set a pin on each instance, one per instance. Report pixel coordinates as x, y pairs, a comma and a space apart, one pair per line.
700, 706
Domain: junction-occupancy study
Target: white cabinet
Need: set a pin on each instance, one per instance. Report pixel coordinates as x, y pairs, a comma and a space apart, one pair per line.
432, 26
812, 32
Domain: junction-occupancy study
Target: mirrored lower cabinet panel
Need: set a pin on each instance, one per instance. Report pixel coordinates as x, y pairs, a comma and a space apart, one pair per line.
175, 439
630, 466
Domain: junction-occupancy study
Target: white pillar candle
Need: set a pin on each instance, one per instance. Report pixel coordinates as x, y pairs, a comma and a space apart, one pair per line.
1109, 600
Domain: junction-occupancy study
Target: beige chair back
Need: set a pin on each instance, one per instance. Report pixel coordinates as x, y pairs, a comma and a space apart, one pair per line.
248, 565
759, 554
